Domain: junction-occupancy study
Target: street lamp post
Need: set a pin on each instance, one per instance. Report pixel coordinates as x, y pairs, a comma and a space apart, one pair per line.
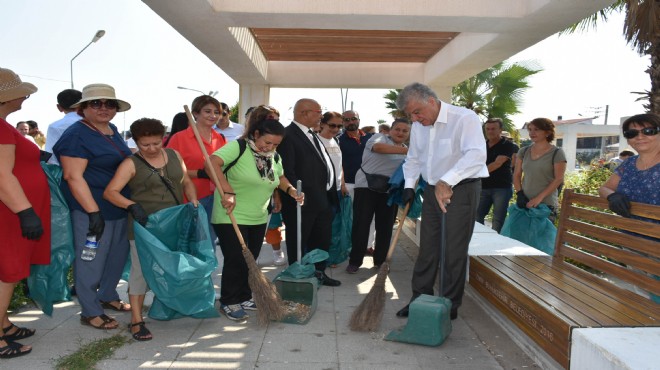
211, 93
96, 38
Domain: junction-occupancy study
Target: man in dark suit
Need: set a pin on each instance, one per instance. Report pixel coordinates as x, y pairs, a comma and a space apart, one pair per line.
305, 158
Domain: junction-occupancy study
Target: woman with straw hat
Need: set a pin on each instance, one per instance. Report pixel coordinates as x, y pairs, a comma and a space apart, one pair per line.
90, 151
24, 210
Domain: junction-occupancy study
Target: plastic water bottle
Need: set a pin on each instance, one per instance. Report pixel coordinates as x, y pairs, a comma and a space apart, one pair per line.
89, 250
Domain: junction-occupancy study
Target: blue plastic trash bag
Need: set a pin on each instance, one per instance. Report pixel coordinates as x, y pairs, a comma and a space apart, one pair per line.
298, 270
397, 183
48, 283
342, 225
532, 227
177, 260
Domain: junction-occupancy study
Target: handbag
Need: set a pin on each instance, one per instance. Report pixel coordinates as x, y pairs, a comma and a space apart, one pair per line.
377, 183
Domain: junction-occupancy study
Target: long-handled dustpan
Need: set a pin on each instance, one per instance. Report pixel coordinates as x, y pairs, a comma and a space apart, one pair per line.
429, 321
299, 291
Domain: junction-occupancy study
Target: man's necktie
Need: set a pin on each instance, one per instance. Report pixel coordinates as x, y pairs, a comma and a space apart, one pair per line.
317, 144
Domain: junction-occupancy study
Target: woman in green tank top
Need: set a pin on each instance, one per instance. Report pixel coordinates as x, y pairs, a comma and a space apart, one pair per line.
158, 179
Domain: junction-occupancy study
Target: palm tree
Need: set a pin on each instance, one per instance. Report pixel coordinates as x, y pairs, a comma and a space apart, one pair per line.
641, 29
496, 92
390, 103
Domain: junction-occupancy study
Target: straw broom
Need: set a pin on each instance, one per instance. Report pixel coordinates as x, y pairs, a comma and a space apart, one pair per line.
369, 313
269, 303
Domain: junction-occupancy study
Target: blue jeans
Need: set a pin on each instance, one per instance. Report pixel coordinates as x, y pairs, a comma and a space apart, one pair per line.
499, 199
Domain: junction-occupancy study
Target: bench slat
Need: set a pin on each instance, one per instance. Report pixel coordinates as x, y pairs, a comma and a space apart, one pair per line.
621, 223
645, 282
633, 312
646, 246
638, 209
555, 292
551, 331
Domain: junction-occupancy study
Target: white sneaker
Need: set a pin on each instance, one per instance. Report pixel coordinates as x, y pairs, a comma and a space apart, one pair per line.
278, 258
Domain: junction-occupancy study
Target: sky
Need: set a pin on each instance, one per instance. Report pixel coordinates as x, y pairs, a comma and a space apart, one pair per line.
145, 60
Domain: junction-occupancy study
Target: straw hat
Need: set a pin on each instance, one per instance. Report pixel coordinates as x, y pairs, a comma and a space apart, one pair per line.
11, 86
101, 91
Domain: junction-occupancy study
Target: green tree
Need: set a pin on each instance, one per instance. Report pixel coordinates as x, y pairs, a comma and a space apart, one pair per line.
233, 115
641, 30
390, 103
496, 92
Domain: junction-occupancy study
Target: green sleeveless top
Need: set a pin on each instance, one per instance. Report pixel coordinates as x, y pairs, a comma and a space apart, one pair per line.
149, 190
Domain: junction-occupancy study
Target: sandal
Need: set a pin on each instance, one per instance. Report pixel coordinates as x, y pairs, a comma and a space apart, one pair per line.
20, 333
107, 322
123, 307
141, 335
12, 349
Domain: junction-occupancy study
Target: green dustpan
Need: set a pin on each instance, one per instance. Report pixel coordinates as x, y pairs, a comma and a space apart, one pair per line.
428, 322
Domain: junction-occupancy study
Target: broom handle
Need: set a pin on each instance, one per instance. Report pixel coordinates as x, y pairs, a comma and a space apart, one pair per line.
299, 223
395, 239
213, 175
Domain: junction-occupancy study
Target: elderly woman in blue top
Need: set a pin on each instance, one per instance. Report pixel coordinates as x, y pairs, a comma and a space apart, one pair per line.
90, 151
382, 155
256, 170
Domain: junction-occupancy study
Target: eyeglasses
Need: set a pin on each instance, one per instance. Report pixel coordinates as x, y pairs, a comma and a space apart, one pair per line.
646, 131
109, 104
348, 119
332, 125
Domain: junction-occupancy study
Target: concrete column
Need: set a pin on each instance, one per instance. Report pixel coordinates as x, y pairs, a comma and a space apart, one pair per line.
569, 145
250, 96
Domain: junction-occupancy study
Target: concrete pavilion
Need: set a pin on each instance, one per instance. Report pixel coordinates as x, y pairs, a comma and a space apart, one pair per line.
363, 43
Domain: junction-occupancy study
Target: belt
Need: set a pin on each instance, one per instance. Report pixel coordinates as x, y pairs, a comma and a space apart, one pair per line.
467, 181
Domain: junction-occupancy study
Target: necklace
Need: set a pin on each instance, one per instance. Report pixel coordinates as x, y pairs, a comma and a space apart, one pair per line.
159, 168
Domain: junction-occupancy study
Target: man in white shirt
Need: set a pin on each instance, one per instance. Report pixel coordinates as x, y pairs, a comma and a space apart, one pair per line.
230, 130
448, 149
65, 99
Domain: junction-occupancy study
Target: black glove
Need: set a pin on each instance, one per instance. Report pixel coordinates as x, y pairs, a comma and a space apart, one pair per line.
96, 224
30, 224
619, 204
138, 213
201, 174
408, 195
521, 199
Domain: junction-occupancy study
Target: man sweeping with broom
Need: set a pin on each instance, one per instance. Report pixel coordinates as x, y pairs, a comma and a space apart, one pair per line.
448, 149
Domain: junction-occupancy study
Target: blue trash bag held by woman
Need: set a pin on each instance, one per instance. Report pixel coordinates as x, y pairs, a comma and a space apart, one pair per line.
532, 227
48, 283
177, 260
397, 183
342, 225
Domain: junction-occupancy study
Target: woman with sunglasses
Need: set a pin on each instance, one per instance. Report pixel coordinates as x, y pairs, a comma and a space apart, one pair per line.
539, 169
206, 111
90, 151
636, 179
157, 179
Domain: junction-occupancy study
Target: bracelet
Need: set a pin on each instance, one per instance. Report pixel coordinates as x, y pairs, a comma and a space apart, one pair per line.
290, 187
230, 193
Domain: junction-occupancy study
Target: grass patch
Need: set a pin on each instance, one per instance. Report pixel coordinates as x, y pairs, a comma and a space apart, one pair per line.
91, 353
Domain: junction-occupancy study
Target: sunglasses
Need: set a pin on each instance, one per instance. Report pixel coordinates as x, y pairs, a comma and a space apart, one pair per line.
332, 125
646, 131
224, 114
348, 119
109, 104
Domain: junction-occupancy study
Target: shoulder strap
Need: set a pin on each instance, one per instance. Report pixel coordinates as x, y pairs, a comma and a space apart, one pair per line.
242, 144
154, 170
554, 154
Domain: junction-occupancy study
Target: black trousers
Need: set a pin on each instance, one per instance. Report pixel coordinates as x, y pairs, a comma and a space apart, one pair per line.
234, 287
366, 204
460, 218
316, 231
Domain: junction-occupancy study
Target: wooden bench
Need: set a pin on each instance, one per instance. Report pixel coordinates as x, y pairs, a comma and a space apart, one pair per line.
547, 297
